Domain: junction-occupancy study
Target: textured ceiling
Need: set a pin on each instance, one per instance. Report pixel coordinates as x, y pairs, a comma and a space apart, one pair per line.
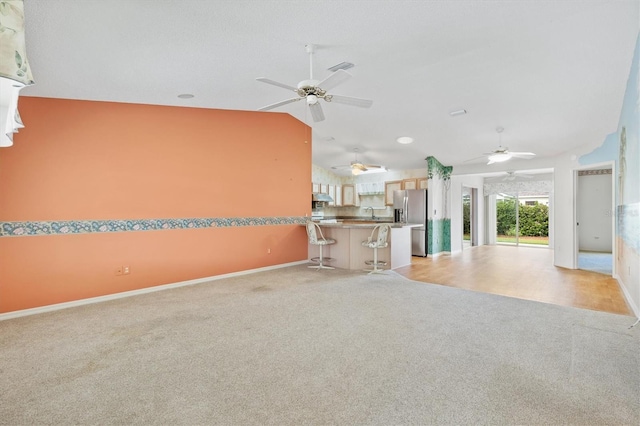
552, 73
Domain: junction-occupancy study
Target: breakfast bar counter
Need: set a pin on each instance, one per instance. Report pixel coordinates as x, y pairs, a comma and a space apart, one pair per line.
348, 252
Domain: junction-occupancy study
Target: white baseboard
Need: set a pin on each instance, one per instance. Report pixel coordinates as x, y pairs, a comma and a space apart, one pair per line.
627, 296
81, 302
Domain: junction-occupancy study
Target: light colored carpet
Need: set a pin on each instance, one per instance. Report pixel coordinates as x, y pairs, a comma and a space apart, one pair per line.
297, 346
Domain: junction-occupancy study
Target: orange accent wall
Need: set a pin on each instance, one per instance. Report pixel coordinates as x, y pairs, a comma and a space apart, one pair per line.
82, 160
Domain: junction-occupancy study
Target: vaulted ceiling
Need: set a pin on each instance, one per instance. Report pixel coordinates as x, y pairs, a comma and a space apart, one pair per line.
552, 73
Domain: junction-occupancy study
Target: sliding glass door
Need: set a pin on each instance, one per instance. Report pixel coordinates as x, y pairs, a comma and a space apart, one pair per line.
522, 219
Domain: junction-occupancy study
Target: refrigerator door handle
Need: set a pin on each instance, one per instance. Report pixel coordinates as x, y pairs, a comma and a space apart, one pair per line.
405, 210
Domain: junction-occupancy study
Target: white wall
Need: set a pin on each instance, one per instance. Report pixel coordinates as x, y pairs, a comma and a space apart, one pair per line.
564, 214
594, 214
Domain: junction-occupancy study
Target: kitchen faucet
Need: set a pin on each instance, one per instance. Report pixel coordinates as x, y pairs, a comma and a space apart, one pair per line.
373, 216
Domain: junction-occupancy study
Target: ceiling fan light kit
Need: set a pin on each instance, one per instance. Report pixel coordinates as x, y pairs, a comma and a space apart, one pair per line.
499, 157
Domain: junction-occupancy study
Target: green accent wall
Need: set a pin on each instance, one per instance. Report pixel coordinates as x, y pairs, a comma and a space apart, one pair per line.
439, 235
438, 227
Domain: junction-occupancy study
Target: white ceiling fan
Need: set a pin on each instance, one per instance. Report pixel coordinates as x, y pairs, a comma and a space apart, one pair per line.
357, 167
502, 154
313, 90
510, 176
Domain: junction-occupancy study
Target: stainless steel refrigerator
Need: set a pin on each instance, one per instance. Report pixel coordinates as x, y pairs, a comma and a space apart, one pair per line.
410, 206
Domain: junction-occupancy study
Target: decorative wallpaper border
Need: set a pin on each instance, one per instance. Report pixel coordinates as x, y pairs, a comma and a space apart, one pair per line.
594, 172
434, 167
63, 227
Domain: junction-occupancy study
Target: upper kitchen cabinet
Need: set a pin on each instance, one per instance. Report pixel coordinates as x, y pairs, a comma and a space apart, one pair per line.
338, 197
409, 184
332, 194
315, 188
348, 195
389, 187
422, 183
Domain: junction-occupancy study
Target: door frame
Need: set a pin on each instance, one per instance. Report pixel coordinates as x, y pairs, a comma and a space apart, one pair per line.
473, 214
576, 243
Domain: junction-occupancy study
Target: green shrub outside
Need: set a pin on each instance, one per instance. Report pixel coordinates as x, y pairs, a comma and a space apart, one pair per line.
534, 220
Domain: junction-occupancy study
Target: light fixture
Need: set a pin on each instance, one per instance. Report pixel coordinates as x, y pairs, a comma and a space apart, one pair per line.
499, 157
355, 171
312, 99
458, 112
404, 140
14, 70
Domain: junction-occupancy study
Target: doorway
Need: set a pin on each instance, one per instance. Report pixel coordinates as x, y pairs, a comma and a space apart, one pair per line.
594, 220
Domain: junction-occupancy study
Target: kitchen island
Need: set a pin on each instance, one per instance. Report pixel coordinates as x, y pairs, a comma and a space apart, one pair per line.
348, 252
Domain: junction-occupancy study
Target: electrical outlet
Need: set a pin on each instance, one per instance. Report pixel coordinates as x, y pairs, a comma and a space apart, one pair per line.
119, 270
126, 270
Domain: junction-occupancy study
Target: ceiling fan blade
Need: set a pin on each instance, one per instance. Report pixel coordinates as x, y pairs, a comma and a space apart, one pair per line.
277, 104
334, 79
348, 100
348, 166
526, 155
476, 158
372, 166
316, 112
276, 83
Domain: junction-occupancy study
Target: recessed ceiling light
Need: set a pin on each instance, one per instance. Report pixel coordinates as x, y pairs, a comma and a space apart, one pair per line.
186, 96
404, 140
458, 112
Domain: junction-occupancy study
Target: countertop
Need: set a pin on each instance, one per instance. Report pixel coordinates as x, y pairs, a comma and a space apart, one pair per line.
364, 224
